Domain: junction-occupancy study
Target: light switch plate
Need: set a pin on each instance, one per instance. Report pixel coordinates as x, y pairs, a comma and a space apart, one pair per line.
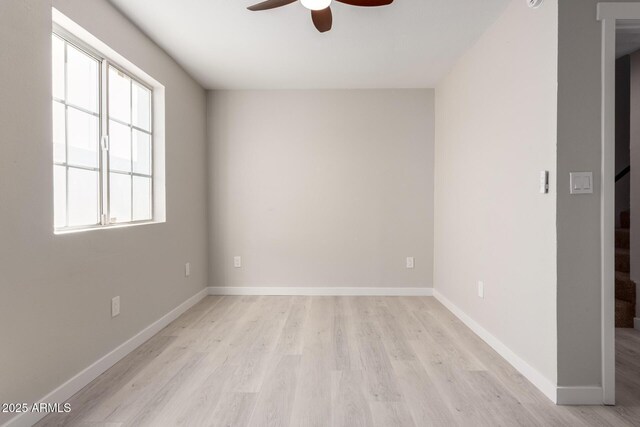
581, 182
187, 269
481, 289
237, 262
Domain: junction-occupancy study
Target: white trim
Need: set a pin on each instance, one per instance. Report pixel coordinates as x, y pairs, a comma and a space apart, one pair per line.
80, 380
618, 10
608, 14
607, 212
320, 291
580, 395
537, 379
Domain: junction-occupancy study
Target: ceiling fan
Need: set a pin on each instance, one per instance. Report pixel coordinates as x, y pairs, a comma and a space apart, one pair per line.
320, 9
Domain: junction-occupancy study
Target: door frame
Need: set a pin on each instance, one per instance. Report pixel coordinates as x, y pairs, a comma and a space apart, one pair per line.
608, 14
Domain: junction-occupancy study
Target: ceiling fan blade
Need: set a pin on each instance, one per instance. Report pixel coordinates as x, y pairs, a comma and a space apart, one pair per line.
322, 19
366, 3
270, 4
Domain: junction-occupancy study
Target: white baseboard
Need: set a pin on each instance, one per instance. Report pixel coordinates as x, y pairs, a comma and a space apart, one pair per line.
580, 395
636, 323
547, 387
80, 380
319, 291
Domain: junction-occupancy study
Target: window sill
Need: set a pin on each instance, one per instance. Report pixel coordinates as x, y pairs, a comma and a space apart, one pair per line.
63, 231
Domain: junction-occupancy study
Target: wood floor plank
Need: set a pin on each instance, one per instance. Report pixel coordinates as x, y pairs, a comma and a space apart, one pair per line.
92, 398
140, 392
330, 361
196, 406
313, 402
290, 341
391, 414
393, 336
275, 400
456, 352
191, 316
254, 358
379, 379
342, 339
504, 372
421, 395
234, 409
154, 412
498, 402
350, 406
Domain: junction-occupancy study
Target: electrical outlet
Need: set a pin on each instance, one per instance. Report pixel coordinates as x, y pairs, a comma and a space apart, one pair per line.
187, 269
237, 261
481, 289
410, 262
115, 306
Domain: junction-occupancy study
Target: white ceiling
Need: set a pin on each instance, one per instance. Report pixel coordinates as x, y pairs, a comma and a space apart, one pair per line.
409, 44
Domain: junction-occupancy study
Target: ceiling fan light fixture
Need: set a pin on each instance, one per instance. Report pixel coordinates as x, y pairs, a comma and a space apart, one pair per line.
316, 4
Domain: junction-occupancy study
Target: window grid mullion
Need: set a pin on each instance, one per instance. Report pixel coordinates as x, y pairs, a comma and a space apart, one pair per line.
139, 129
75, 107
100, 154
66, 139
105, 207
140, 175
131, 140
152, 149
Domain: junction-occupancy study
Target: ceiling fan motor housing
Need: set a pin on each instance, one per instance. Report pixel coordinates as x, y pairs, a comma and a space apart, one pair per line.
321, 14
534, 4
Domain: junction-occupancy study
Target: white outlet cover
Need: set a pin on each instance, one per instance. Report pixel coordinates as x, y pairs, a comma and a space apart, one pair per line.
237, 261
115, 306
481, 289
187, 269
410, 262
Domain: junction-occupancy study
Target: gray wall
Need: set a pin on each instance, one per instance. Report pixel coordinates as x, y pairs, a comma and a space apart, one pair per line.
578, 217
495, 132
321, 188
56, 290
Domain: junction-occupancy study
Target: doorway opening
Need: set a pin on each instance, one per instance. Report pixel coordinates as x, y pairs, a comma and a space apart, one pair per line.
620, 240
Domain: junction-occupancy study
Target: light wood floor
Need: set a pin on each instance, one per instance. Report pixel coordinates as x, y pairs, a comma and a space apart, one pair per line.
330, 361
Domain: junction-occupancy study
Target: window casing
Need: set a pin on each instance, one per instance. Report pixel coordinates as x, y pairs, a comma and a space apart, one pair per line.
103, 140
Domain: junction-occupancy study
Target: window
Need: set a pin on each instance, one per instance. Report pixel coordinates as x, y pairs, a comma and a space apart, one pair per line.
102, 140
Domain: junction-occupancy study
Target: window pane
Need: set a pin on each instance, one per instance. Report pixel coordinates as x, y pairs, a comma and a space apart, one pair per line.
83, 197
119, 96
82, 79
119, 147
141, 198
59, 196
58, 133
141, 107
83, 138
141, 153
120, 197
57, 50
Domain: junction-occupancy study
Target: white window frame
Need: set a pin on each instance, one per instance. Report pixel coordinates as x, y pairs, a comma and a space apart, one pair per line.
106, 62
